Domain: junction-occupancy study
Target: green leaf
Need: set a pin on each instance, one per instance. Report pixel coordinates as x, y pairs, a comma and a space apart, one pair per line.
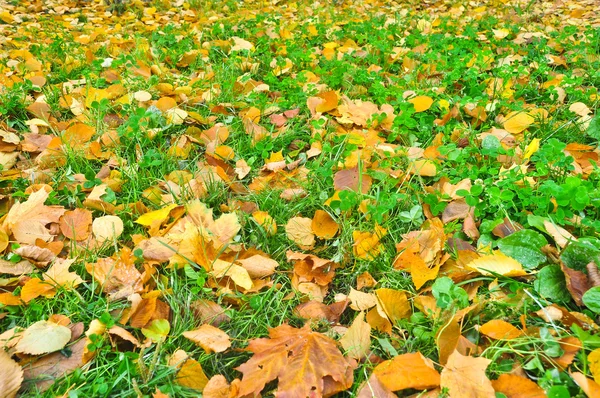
591, 299
525, 247
578, 254
158, 330
594, 128
551, 284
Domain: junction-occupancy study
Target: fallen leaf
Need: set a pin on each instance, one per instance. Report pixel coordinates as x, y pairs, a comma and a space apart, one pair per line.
43, 337
498, 329
357, 339
589, 386
516, 122
210, 338
497, 263
107, 228
464, 377
514, 386
11, 375
405, 371
49, 368
323, 225
299, 358
421, 103
76, 224
299, 231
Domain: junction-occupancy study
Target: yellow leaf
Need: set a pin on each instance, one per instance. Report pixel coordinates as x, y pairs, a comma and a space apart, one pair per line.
236, 272
497, 263
299, 231
594, 363
421, 103
516, 122
423, 167
266, 221
152, 217
357, 339
531, 148
11, 375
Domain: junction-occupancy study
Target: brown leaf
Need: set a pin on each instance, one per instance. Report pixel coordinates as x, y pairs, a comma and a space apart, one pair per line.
353, 180
11, 375
577, 283
48, 368
447, 339
118, 276
464, 377
20, 268
514, 386
28, 220
210, 338
209, 312
217, 387
407, 371
315, 310
299, 358
259, 266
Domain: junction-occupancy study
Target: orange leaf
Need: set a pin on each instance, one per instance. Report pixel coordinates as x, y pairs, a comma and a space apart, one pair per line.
9, 299
465, 377
301, 360
191, 375
210, 338
447, 339
76, 224
323, 225
407, 371
421, 103
35, 288
589, 386
514, 386
500, 330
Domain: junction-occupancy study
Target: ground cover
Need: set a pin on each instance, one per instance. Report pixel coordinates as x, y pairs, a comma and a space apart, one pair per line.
365, 198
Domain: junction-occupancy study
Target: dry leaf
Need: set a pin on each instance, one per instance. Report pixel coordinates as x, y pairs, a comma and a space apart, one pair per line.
407, 371
300, 359
210, 338
464, 377
299, 231
498, 329
514, 386
43, 337
357, 339
11, 375
107, 228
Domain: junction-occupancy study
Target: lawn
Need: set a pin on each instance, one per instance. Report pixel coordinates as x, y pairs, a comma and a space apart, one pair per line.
294, 198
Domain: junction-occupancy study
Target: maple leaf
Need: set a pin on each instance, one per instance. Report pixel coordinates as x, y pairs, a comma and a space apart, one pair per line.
299, 359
